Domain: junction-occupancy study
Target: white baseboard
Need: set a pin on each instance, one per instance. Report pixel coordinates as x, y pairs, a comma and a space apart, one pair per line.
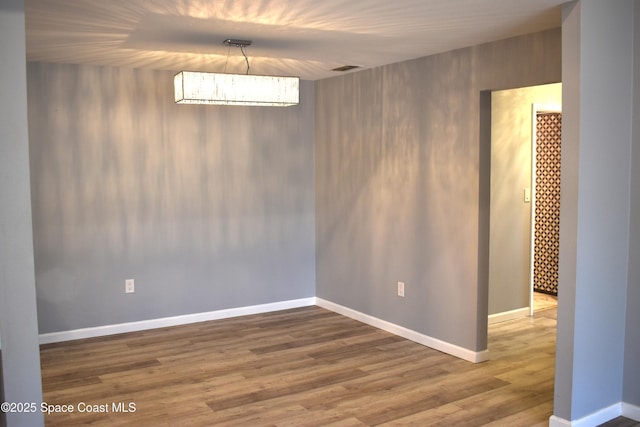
631, 411
518, 313
172, 321
599, 417
558, 422
594, 419
443, 346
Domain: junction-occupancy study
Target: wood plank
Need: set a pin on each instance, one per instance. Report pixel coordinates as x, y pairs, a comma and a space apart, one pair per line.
301, 367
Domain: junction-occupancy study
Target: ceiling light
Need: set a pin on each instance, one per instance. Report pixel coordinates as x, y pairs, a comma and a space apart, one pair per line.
236, 89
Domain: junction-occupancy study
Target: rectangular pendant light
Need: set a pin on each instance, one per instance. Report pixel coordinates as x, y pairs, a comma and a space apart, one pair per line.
235, 89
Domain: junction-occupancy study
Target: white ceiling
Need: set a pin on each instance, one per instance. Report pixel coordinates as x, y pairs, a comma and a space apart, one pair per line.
307, 38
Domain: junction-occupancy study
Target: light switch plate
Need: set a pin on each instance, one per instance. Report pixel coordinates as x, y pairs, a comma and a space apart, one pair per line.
129, 286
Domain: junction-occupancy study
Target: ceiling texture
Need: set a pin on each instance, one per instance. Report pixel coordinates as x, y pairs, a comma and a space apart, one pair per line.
305, 38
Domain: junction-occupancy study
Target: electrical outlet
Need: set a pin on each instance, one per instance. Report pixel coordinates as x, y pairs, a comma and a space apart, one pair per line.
401, 289
129, 286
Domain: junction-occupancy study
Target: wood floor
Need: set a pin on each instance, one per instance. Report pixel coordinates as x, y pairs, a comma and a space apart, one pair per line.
621, 422
301, 367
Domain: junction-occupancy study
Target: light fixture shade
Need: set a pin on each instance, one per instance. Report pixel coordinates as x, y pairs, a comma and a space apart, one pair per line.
235, 89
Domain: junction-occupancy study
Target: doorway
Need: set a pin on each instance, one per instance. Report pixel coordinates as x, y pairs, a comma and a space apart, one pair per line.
512, 204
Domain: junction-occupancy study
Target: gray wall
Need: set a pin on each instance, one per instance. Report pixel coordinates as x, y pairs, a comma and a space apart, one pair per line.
205, 207
3, 419
397, 184
20, 365
632, 335
510, 215
596, 183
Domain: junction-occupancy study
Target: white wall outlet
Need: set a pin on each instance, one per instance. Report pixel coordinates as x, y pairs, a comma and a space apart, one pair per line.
527, 195
129, 286
401, 289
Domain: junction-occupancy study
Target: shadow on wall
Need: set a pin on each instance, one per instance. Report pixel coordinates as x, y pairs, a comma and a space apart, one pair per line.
398, 170
206, 207
396, 185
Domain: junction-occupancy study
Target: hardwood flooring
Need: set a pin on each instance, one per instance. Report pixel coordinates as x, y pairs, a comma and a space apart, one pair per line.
621, 422
300, 367
543, 301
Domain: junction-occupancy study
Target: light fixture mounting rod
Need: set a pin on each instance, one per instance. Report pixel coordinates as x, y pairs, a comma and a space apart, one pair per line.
237, 42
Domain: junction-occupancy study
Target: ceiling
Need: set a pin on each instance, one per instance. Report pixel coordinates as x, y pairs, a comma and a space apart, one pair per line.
306, 38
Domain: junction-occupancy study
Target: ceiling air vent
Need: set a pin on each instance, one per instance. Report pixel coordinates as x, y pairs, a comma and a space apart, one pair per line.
346, 68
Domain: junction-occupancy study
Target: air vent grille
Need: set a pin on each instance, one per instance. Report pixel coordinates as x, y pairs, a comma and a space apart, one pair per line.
346, 68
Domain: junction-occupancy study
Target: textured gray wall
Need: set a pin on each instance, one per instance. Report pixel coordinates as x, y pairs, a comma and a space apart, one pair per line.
20, 365
632, 335
205, 207
596, 184
510, 223
397, 184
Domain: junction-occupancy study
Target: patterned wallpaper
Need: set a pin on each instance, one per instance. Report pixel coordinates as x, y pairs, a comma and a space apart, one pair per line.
547, 203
